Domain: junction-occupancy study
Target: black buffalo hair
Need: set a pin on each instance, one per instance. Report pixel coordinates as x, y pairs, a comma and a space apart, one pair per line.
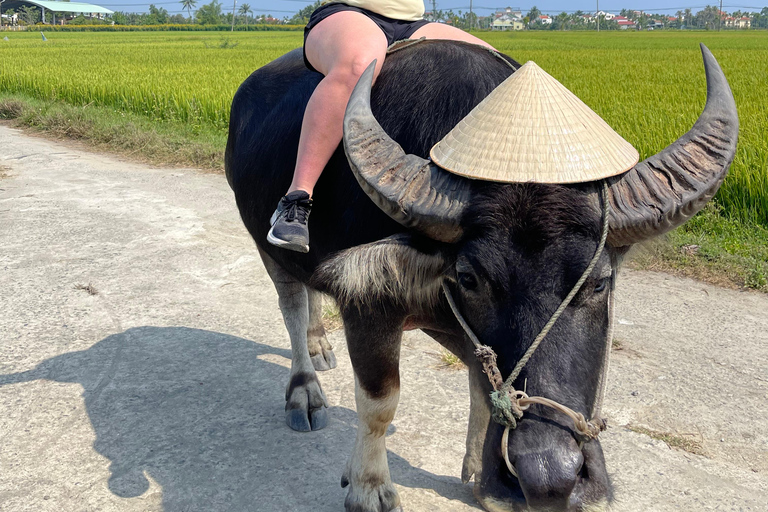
537, 214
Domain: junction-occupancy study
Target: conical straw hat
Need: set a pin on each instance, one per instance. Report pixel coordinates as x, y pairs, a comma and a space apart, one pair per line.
532, 129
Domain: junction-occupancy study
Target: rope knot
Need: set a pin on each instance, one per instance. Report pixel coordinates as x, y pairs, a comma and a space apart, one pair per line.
589, 430
506, 407
487, 358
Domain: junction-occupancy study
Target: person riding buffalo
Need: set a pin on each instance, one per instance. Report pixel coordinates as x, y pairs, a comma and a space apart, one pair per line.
341, 39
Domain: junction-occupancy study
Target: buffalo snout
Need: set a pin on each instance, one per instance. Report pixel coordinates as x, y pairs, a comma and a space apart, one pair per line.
554, 472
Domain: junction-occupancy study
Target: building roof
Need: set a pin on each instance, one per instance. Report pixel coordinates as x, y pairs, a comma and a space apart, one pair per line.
58, 6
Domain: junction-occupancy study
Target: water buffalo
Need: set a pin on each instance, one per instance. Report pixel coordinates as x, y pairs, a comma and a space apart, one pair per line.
389, 229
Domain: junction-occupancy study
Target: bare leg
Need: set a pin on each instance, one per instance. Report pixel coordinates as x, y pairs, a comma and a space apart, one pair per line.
442, 31
329, 50
341, 47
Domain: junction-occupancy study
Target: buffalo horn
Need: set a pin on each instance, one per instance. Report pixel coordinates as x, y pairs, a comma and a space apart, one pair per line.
667, 189
410, 189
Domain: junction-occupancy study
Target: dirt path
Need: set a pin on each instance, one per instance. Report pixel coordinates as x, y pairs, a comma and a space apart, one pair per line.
161, 386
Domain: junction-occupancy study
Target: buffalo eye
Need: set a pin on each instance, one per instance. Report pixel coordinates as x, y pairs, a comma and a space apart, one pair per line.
602, 285
467, 281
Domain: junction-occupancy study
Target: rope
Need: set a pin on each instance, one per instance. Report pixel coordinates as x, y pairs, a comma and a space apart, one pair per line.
510, 404
528, 353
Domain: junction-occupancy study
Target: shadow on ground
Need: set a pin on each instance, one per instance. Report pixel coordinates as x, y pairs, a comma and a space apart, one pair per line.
201, 413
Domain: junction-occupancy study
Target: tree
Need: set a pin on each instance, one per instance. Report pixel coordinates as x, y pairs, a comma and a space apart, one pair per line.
533, 14
188, 5
302, 17
30, 15
157, 16
708, 17
209, 14
760, 19
562, 19
244, 10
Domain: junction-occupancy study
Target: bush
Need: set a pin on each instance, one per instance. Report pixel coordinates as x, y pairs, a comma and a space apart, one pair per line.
11, 108
169, 28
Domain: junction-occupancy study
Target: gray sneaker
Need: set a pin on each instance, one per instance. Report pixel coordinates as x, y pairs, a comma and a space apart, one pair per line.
289, 222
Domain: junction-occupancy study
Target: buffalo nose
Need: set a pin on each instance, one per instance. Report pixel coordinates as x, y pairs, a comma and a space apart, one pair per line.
548, 478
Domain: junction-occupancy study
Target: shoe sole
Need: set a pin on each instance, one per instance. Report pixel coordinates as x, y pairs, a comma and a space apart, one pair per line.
291, 246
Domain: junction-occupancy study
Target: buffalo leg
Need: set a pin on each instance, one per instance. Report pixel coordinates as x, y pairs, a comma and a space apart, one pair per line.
479, 391
374, 349
320, 351
479, 419
305, 407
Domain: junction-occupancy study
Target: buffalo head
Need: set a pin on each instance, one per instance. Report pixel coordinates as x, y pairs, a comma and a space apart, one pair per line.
510, 253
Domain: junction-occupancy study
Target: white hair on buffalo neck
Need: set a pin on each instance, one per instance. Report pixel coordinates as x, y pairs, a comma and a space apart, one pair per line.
389, 269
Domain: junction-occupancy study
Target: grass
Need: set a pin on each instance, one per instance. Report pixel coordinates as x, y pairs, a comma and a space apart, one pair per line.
110, 130
448, 361
167, 76
164, 97
650, 88
685, 442
331, 316
713, 248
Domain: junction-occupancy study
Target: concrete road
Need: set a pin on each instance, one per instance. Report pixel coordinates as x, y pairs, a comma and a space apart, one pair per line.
143, 363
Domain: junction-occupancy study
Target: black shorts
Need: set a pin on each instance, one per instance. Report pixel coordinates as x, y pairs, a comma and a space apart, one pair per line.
395, 30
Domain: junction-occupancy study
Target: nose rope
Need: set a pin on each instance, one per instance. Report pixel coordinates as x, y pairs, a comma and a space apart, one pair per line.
508, 403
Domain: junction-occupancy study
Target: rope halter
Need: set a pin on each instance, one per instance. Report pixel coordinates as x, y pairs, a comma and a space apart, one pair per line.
509, 404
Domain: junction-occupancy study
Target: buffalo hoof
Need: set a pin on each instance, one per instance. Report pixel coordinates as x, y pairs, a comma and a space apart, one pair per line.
324, 361
305, 406
371, 498
298, 420
320, 350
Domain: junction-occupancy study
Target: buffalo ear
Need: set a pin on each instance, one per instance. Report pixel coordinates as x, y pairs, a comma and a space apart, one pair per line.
397, 269
665, 190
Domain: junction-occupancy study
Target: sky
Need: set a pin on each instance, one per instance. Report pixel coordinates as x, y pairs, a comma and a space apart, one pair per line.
282, 8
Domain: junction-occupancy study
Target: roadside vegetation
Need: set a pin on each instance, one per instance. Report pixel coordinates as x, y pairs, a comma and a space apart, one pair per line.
126, 134
165, 97
690, 443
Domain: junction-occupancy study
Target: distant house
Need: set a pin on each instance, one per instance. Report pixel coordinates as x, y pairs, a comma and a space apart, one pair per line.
69, 10
545, 19
512, 13
625, 24
507, 22
731, 22
606, 15
655, 24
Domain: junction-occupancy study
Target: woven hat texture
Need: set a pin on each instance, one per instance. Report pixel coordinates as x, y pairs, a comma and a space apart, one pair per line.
532, 129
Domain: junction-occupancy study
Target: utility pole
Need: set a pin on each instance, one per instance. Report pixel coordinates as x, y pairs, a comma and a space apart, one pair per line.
434, 10
720, 16
597, 16
471, 20
233, 15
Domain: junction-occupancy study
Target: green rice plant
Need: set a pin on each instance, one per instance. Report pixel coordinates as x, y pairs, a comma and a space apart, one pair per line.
649, 86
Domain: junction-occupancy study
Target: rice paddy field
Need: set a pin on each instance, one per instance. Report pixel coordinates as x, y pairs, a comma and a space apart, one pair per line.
648, 85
